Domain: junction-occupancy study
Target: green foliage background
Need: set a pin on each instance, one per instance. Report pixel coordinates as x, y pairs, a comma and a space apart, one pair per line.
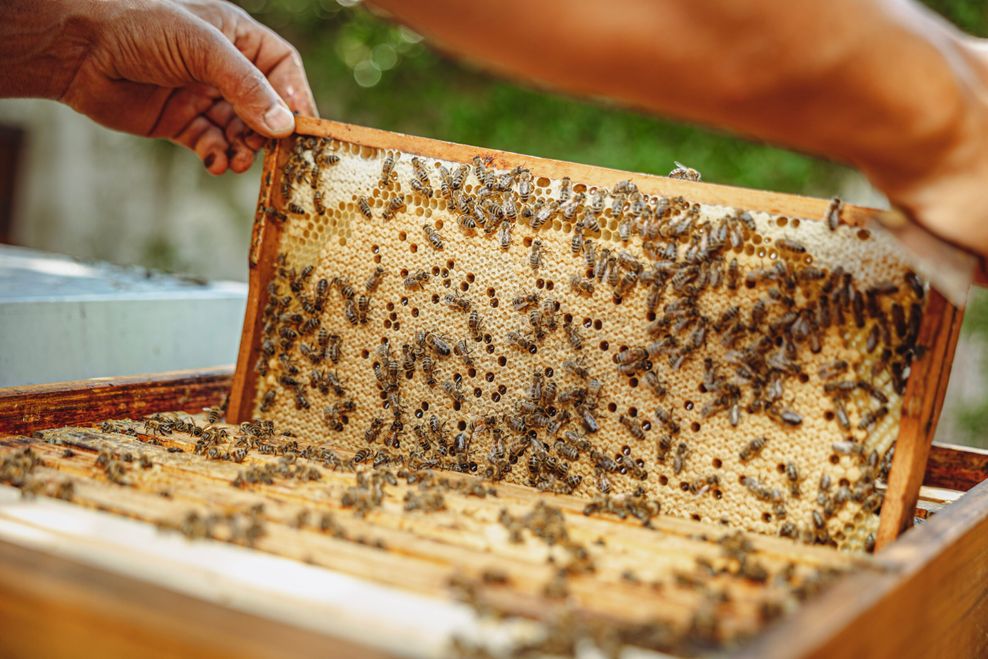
369, 71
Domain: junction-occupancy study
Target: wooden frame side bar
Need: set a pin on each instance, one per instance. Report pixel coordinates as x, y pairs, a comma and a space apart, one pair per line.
921, 406
264, 245
36, 407
928, 600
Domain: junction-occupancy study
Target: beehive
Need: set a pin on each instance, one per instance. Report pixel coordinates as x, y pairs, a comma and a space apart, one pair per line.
583, 331
673, 586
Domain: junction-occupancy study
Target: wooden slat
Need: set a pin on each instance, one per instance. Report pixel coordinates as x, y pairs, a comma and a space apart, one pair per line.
26, 409
956, 467
930, 601
265, 239
921, 407
707, 193
56, 607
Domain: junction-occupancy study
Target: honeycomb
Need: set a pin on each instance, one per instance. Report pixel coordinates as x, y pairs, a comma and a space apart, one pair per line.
742, 368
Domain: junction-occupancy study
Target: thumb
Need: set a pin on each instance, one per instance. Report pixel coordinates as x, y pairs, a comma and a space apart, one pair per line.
218, 63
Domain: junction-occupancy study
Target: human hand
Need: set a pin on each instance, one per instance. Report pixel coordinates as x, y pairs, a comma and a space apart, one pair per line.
201, 73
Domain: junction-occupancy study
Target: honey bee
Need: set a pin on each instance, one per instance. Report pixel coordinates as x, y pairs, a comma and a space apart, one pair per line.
504, 235
268, 400
833, 369
462, 349
520, 341
429, 368
581, 286
834, 213
360, 456
438, 344
792, 475
872, 417
395, 205
350, 311
434, 239
296, 209
421, 183
364, 207
333, 348
790, 418
363, 306
684, 173
733, 274
387, 168
535, 257
453, 390
576, 244
573, 335
374, 280
275, 214
456, 302
634, 426
790, 246
317, 202
565, 189
475, 323
417, 280
543, 214
916, 284
752, 449
445, 181
679, 460
525, 186
459, 176
374, 431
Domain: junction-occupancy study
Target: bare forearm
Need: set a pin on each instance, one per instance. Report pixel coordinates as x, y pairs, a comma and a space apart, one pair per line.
41, 45
870, 82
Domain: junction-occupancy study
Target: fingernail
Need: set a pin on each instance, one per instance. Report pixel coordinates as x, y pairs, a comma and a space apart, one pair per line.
209, 160
279, 120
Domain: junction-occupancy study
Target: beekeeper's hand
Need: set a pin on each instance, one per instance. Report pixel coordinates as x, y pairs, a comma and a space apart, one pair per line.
201, 73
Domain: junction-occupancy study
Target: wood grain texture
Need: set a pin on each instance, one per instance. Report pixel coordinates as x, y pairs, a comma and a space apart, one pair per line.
55, 607
956, 467
36, 407
921, 407
931, 601
265, 239
708, 193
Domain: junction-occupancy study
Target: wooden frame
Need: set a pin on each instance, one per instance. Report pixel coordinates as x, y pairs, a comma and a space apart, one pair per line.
928, 598
924, 394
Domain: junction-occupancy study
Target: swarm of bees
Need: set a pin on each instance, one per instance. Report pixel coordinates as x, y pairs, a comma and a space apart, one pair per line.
719, 322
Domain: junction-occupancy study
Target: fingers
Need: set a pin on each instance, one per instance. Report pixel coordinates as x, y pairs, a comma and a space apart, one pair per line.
181, 120
240, 153
274, 57
207, 141
213, 60
281, 63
